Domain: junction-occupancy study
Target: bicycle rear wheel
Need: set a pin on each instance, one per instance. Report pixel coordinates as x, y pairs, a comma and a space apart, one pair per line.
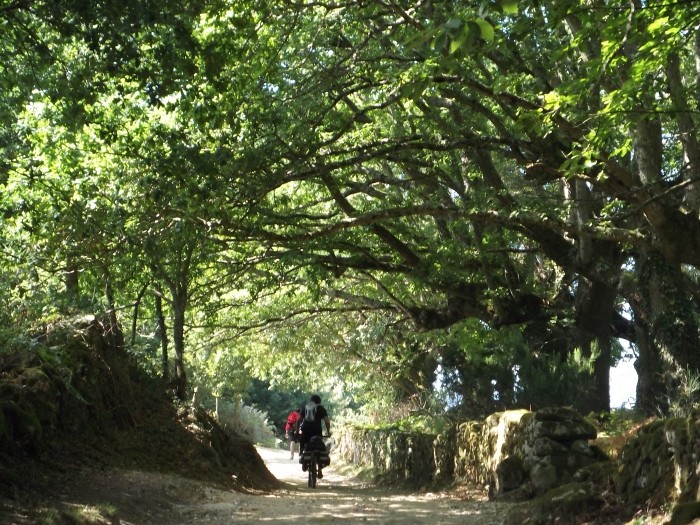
313, 465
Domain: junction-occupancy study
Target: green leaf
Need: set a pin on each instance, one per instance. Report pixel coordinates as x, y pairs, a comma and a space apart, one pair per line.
510, 7
658, 24
440, 41
459, 39
487, 32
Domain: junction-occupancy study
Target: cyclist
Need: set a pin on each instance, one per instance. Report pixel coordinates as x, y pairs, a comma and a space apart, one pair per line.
312, 415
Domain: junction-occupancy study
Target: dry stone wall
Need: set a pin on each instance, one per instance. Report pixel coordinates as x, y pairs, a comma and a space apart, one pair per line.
397, 457
483, 445
508, 451
546, 454
528, 451
662, 462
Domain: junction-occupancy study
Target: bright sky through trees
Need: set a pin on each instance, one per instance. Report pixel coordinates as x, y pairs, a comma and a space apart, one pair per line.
623, 382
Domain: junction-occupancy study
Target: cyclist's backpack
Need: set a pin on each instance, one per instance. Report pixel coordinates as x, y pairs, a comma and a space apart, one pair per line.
310, 412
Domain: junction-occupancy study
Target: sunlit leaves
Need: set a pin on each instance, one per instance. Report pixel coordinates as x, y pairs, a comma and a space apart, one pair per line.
338, 174
509, 7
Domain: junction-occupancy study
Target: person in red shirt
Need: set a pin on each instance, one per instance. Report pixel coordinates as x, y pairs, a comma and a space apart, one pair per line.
292, 431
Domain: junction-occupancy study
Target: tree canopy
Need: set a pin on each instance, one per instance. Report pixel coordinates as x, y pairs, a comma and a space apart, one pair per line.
477, 200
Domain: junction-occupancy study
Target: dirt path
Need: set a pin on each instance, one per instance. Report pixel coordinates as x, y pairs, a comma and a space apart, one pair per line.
336, 499
134, 497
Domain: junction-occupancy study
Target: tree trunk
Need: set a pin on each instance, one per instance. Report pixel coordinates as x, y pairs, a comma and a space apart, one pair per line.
134, 319
600, 400
114, 329
72, 282
179, 307
595, 299
596, 318
163, 332
686, 126
669, 345
649, 375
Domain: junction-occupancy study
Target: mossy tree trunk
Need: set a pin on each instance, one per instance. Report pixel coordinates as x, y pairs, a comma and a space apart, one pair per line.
163, 333
179, 308
114, 328
596, 295
648, 367
594, 321
175, 272
72, 282
137, 307
668, 342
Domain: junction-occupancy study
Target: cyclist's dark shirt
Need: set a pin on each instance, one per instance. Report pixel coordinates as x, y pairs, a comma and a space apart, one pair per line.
313, 428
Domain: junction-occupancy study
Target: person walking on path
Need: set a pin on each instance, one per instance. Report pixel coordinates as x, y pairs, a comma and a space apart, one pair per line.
291, 429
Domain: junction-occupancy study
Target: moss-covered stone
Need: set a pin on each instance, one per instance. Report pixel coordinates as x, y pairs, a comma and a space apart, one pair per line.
546, 446
564, 430
558, 505
509, 476
601, 473
569, 499
445, 453
661, 462
397, 457
544, 475
582, 447
24, 426
557, 414
685, 513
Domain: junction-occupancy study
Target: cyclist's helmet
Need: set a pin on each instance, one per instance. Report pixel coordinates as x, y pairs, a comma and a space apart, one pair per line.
316, 399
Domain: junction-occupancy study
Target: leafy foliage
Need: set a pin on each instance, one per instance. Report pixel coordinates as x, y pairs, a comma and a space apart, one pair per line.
687, 403
361, 197
248, 421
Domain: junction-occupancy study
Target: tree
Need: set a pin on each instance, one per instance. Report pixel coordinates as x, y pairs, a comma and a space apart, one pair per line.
528, 167
512, 134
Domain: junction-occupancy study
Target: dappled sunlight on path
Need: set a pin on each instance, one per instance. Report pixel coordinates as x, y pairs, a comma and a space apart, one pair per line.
338, 499
156, 498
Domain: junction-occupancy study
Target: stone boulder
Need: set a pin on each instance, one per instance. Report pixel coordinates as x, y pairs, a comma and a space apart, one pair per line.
570, 499
555, 447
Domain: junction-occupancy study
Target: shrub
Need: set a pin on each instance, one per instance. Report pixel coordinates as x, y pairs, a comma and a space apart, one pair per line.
249, 421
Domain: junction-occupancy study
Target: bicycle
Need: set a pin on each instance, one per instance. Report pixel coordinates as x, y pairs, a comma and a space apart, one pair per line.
315, 457
313, 468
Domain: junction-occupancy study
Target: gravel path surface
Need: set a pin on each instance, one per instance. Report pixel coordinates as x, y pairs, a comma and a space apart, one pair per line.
136, 497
